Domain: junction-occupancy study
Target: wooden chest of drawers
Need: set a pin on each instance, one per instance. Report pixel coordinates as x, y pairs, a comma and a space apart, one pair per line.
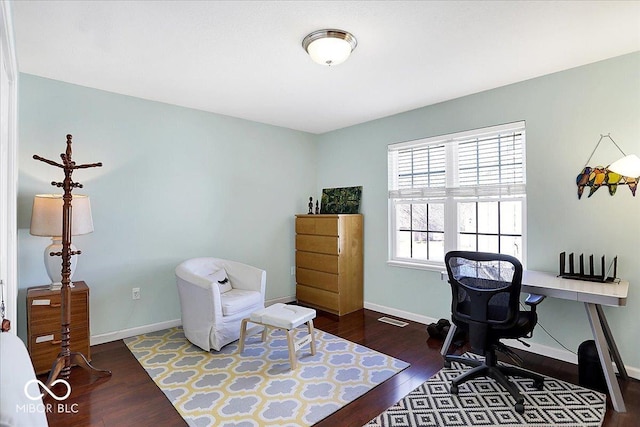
329, 261
43, 324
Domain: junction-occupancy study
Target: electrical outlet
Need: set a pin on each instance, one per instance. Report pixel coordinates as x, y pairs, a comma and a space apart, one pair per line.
135, 293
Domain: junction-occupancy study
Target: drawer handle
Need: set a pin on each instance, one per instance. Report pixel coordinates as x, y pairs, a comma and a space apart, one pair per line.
55, 305
56, 342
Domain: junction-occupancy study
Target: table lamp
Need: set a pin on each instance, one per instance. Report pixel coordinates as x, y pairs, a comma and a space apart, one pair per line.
46, 220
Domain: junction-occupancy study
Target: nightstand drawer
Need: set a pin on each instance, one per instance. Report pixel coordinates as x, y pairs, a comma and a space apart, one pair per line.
47, 311
45, 308
52, 338
44, 349
44, 319
78, 327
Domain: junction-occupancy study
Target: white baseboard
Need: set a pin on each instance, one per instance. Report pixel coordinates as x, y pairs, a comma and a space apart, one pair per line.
132, 332
543, 350
145, 329
633, 372
400, 313
563, 355
283, 300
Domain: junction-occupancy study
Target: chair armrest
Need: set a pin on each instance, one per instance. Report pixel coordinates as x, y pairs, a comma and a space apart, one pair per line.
533, 300
246, 277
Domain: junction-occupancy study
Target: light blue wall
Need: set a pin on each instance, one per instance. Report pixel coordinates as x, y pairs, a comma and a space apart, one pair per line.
176, 183
179, 183
565, 114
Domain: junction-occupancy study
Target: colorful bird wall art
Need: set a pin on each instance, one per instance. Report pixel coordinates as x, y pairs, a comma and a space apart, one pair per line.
599, 176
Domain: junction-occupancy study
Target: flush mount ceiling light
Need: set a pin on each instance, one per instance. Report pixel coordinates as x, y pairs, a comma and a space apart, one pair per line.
329, 47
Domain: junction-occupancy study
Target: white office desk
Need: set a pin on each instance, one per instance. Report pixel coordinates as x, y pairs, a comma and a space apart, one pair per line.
549, 284
594, 295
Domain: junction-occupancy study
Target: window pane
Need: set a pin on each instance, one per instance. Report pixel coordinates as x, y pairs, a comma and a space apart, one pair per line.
488, 217
420, 245
488, 243
467, 217
436, 217
511, 245
436, 246
403, 244
420, 236
419, 218
511, 217
467, 242
403, 216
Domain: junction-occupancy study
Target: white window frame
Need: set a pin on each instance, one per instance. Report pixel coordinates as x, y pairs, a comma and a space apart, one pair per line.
452, 195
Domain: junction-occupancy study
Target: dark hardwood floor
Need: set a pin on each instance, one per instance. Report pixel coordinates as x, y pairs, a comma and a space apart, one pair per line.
130, 398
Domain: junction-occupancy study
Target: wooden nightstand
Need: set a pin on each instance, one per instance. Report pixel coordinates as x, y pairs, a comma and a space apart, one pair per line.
43, 324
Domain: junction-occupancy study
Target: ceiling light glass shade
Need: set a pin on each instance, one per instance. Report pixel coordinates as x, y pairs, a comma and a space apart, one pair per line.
329, 47
628, 166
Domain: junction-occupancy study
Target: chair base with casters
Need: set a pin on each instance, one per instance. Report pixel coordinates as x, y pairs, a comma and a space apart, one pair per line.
489, 368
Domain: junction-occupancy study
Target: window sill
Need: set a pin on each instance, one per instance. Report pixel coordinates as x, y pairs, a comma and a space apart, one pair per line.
417, 266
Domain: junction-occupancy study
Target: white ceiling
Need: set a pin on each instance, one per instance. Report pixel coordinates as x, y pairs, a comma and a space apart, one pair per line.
244, 58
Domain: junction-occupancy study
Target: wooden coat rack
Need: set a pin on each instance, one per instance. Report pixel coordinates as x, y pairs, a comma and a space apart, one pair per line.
62, 365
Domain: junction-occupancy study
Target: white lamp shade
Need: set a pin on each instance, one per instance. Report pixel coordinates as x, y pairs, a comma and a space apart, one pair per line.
46, 217
628, 166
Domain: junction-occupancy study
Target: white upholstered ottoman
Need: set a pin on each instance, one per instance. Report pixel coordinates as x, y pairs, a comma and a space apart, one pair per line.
286, 317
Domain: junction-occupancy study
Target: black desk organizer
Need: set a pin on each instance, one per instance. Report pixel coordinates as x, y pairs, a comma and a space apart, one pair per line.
591, 277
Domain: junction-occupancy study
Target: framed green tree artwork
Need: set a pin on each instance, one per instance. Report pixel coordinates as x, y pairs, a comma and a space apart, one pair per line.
343, 200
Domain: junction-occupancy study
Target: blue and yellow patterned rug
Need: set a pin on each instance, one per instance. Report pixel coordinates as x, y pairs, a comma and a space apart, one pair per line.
257, 388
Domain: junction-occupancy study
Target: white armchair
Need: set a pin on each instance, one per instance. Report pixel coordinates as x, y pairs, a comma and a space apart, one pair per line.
211, 318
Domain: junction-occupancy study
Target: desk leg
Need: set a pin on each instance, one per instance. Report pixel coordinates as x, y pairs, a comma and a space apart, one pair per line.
448, 339
605, 358
622, 370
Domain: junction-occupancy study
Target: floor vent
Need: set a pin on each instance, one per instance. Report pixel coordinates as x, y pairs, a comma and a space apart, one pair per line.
393, 322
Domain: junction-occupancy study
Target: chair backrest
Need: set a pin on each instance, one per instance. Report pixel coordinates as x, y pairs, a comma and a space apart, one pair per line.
485, 290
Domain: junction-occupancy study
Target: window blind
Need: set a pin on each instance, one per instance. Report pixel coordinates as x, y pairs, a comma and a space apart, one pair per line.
467, 164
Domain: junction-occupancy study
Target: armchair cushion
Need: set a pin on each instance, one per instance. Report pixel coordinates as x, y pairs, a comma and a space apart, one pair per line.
220, 278
238, 300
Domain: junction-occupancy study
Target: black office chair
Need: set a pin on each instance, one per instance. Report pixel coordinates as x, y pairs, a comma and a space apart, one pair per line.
486, 296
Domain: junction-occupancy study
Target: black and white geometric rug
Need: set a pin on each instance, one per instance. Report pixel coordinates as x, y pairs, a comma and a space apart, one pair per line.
482, 402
